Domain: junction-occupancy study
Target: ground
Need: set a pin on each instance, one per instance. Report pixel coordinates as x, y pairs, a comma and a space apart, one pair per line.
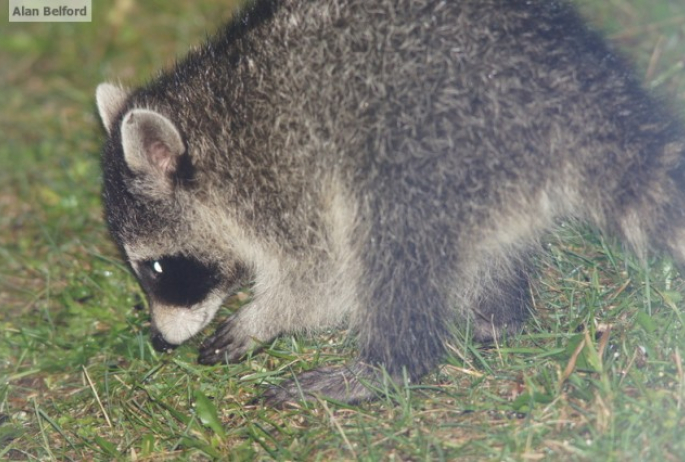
597, 374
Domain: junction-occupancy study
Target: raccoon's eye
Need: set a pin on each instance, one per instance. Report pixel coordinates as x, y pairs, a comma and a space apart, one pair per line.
178, 280
157, 267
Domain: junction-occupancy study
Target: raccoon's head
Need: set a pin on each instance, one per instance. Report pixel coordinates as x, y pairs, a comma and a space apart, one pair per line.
150, 206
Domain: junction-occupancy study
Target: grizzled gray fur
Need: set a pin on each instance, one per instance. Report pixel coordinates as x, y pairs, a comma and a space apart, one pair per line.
389, 164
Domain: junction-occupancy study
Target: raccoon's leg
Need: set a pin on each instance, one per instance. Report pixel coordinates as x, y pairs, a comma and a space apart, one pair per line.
402, 333
670, 226
644, 203
271, 312
412, 315
231, 340
405, 313
291, 304
298, 292
654, 217
500, 299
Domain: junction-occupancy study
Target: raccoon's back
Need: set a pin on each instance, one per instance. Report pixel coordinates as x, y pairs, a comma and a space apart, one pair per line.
483, 86
469, 103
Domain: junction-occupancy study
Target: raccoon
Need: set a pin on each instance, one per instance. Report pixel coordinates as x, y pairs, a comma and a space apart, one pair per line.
386, 165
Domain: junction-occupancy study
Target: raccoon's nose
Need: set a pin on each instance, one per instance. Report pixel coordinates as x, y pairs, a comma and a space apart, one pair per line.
159, 344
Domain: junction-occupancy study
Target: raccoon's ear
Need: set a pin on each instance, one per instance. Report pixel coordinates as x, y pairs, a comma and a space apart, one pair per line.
152, 144
110, 100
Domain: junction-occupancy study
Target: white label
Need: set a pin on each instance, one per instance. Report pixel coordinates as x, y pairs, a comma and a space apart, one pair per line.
50, 10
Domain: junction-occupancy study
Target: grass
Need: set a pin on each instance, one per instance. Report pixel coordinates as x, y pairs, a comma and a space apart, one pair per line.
597, 375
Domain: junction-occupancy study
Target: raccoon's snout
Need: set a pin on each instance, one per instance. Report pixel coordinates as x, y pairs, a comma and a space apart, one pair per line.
161, 345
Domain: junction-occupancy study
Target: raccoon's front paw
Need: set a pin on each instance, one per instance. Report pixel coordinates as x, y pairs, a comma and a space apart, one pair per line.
229, 343
353, 384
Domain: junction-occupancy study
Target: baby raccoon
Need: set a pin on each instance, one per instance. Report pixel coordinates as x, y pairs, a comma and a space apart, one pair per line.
390, 164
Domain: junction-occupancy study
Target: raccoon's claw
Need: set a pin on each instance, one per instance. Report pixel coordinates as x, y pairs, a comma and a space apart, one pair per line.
227, 344
210, 354
351, 385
